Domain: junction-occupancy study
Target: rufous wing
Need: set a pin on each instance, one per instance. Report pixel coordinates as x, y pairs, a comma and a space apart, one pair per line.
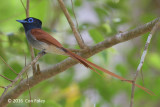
43, 36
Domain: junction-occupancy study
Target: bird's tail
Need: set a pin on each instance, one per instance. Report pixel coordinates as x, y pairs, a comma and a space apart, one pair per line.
90, 65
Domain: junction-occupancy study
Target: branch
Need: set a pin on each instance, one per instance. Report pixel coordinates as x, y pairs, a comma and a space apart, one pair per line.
29, 91
67, 63
20, 74
32, 58
27, 8
23, 5
76, 34
2, 87
6, 78
9, 66
142, 60
77, 26
30, 47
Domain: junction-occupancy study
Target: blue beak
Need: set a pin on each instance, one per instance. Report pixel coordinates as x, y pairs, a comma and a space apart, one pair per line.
21, 21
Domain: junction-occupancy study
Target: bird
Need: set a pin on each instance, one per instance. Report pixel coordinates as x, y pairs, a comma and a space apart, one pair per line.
41, 40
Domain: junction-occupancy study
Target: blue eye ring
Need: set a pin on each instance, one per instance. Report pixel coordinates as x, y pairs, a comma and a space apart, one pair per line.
30, 20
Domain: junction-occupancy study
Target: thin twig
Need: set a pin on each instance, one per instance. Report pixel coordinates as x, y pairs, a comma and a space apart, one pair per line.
76, 34
30, 47
2, 87
28, 89
142, 77
77, 25
25, 62
27, 8
74, 15
5, 90
8, 66
27, 80
6, 78
18, 13
32, 57
142, 60
22, 72
23, 4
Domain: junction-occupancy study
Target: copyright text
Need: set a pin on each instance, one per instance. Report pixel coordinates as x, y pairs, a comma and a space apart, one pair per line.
26, 101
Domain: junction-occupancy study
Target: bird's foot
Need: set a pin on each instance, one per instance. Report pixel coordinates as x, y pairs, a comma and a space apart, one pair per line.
42, 52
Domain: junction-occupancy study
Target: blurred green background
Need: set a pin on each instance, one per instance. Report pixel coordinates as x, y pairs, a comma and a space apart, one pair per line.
98, 20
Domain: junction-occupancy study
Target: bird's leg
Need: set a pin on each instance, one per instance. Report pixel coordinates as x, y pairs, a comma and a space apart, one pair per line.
38, 68
42, 52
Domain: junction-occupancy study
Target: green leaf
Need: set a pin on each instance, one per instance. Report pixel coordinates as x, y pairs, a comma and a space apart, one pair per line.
96, 35
102, 12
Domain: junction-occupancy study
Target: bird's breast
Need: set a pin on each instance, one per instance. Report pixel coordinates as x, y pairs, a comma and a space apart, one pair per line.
35, 43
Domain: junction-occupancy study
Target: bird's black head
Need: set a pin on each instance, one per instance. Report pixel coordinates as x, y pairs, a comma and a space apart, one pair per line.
30, 23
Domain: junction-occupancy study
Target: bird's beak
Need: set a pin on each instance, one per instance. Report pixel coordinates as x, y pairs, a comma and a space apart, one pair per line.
21, 21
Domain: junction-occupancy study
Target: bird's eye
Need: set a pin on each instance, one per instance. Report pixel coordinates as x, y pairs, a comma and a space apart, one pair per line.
30, 20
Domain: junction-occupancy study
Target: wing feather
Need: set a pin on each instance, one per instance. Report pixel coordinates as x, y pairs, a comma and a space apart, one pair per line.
43, 36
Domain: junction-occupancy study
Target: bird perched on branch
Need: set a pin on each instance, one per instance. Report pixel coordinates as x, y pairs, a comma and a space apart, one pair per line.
41, 40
